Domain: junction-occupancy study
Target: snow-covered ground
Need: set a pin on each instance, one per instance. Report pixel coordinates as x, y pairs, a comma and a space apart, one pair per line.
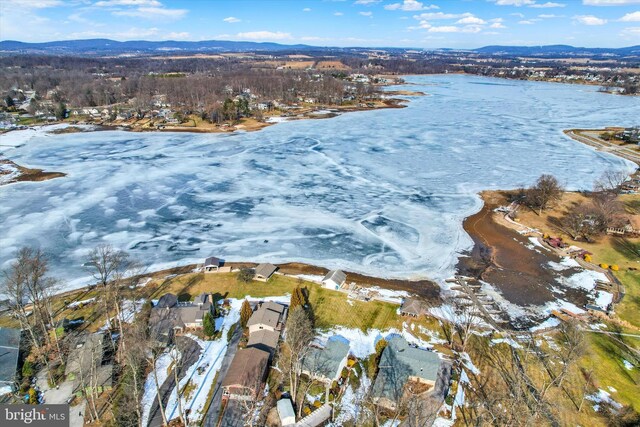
162, 371
8, 172
209, 362
390, 205
600, 397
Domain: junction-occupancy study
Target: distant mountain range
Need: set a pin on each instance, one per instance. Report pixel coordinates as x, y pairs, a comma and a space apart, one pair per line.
100, 47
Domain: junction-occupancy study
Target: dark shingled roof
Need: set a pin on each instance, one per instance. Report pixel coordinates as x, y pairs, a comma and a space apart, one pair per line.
9, 349
212, 261
247, 368
167, 301
264, 340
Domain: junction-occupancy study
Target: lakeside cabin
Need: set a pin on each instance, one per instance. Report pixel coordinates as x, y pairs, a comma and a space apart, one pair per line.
334, 279
212, 264
246, 374
264, 271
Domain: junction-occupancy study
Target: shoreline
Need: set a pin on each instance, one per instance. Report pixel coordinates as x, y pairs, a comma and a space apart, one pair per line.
25, 174
603, 146
246, 124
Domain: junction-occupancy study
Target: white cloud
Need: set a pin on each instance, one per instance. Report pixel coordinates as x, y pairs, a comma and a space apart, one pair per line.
609, 2
338, 14
263, 35
471, 20
367, 2
33, 4
130, 34
231, 20
440, 15
589, 20
410, 6
631, 17
369, 14
630, 31
444, 29
111, 3
152, 13
525, 22
519, 15
547, 5
306, 9
549, 16
178, 36
516, 3
497, 25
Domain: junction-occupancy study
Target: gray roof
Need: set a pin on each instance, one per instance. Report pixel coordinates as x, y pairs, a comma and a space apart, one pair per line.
265, 270
202, 298
89, 349
326, 361
273, 306
9, 349
167, 300
412, 306
247, 368
337, 276
212, 261
400, 361
264, 340
264, 316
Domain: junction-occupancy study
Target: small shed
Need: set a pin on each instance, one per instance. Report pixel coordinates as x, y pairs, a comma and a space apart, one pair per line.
334, 279
264, 272
412, 307
286, 413
212, 264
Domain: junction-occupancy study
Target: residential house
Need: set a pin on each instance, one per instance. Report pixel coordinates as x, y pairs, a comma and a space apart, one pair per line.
89, 364
269, 316
264, 340
334, 279
286, 413
412, 307
169, 316
10, 343
402, 367
212, 264
264, 271
325, 363
246, 374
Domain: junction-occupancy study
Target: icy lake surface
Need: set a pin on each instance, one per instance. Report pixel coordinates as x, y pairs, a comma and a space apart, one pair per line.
380, 192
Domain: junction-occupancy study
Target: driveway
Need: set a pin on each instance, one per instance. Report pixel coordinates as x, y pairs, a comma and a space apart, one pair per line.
213, 414
190, 353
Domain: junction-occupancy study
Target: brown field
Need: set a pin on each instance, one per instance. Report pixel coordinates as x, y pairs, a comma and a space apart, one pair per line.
337, 65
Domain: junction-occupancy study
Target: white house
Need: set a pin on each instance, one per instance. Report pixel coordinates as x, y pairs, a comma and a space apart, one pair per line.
334, 279
212, 265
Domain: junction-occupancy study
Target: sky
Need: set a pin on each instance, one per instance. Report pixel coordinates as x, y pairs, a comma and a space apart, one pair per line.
365, 23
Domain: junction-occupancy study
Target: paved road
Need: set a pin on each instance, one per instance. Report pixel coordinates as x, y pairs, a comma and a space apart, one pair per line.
190, 353
213, 413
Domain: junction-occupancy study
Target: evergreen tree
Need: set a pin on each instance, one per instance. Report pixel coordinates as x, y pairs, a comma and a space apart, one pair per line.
245, 313
297, 299
208, 325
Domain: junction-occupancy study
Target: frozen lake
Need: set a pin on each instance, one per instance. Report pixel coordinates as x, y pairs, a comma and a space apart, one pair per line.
379, 192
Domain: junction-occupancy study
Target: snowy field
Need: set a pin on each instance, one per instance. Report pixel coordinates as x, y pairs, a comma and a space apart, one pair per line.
379, 192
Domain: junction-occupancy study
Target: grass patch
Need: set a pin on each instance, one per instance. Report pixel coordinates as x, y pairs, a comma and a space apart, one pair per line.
226, 285
332, 308
604, 357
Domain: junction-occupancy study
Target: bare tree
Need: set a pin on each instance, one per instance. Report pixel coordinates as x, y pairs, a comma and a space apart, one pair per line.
610, 181
26, 284
543, 193
110, 267
299, 334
